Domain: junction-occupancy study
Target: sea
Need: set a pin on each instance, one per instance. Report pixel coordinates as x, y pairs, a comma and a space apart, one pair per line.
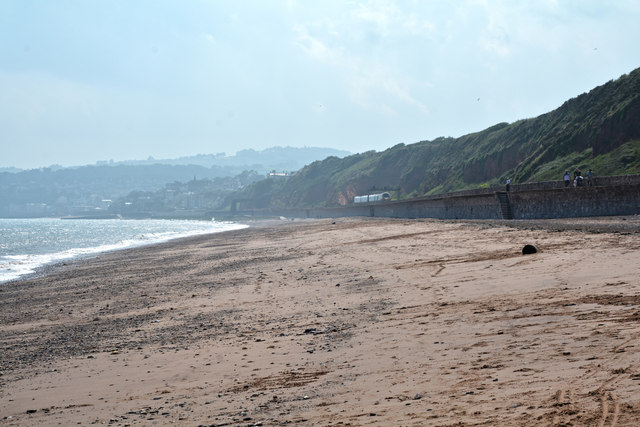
28, 244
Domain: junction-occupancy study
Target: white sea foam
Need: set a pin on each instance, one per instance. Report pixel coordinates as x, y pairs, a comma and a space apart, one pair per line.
15, 265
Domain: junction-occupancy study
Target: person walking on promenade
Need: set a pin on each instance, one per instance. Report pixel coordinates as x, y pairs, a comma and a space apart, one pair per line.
567, 179
508, 183
590, 178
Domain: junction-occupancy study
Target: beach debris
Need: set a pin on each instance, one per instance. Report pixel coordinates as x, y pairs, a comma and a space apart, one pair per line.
529, 249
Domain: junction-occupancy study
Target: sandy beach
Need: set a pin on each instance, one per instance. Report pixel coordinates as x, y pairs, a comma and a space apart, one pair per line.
360, 321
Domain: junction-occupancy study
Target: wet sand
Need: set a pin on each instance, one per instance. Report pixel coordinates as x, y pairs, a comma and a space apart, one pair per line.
335, 322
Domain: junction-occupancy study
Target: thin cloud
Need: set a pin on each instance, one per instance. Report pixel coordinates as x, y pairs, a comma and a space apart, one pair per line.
311, 46
209, 38
371, 84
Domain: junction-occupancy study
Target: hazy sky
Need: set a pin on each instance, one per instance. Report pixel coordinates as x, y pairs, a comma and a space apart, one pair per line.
82, 81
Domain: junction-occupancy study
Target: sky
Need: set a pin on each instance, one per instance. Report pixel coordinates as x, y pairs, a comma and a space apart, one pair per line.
86, 81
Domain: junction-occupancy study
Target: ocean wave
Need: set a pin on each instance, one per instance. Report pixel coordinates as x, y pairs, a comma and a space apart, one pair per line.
15, 266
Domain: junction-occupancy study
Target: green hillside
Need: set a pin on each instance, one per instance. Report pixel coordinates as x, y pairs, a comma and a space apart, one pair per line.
599, 130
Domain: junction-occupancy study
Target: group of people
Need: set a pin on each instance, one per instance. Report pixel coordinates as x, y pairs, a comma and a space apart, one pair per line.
578, 179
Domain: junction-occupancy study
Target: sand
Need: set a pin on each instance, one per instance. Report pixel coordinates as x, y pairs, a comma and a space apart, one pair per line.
335, 322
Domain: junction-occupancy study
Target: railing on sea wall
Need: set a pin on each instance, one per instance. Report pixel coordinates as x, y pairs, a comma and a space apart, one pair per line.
541, 185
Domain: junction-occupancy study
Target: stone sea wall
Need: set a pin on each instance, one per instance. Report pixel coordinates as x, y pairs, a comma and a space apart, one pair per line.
609, 196
576, 202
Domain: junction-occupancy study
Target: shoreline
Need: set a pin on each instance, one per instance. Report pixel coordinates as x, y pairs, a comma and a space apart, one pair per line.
65, 257
360, 321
